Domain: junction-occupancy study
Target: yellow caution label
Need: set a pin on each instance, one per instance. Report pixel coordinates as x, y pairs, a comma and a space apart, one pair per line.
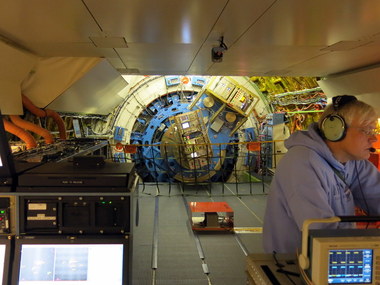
246, 230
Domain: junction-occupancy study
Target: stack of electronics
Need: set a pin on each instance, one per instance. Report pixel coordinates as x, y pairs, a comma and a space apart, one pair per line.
66, 222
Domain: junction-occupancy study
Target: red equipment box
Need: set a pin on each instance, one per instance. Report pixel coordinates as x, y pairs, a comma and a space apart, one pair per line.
211, 216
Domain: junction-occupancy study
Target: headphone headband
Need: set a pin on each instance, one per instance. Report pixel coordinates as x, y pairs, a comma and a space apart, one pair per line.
339, 101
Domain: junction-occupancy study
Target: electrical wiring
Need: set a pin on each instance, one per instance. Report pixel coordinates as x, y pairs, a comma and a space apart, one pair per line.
366, 211
304, 276
300, 102
361, 189
300, 99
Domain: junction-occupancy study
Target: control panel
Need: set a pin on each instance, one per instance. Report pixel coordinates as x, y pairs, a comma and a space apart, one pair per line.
75, 214
7, 214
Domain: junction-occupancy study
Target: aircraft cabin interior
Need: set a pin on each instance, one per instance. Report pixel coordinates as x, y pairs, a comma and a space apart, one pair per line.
139, 138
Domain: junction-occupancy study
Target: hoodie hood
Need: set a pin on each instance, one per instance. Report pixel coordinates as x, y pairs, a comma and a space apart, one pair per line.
312, 139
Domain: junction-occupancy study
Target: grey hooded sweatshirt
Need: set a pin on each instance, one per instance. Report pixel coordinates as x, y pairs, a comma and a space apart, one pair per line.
305, 186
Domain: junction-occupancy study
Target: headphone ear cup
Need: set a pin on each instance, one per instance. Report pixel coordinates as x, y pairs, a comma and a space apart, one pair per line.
334, 128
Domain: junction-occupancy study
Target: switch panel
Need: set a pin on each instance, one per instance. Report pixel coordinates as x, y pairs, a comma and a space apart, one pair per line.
75, 214
40, 215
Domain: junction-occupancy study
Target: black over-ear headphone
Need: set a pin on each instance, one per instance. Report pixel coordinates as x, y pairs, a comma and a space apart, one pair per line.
334, 127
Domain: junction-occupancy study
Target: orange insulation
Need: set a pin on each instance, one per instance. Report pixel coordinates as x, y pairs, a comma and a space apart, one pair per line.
33, 128
43, 113
60, 123
20, 133
32, 108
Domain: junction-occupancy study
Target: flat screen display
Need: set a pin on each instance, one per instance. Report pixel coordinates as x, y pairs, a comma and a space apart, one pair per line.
350, 266
3, 248
57, 262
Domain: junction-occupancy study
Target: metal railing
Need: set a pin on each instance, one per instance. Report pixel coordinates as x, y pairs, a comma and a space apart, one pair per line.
242, 168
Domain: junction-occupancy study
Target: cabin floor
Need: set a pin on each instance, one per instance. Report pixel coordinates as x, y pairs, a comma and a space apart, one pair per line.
167, 251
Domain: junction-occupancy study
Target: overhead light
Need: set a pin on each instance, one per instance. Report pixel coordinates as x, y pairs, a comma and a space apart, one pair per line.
217, 52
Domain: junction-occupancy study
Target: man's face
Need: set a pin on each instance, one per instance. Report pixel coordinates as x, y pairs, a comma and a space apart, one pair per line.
359, 140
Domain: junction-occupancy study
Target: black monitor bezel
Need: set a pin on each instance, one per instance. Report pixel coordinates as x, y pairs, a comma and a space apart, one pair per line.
93, 239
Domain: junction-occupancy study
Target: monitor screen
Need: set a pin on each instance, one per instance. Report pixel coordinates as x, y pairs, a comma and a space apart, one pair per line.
345, 260
96, 260
2, 259
5, 248
350, 266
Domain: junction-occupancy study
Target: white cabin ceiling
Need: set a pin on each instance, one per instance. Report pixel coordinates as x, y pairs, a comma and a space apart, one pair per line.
264, 37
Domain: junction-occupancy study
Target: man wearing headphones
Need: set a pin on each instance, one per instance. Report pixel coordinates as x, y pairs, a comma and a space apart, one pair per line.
325, 173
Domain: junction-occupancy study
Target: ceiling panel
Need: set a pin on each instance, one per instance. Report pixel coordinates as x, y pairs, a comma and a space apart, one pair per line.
308, 23
234, 21
68, 49
151, 58
338, 61
237, 18
45, 21
164, 21
272, 37
264, 60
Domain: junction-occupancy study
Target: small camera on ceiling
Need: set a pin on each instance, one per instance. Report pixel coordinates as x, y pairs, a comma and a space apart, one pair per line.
217, 52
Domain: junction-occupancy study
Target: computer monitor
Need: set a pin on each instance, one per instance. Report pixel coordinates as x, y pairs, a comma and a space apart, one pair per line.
345, 260
95, 260
5, 258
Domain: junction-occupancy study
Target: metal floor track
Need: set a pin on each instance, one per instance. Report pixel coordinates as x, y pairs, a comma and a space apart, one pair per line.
166, 251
